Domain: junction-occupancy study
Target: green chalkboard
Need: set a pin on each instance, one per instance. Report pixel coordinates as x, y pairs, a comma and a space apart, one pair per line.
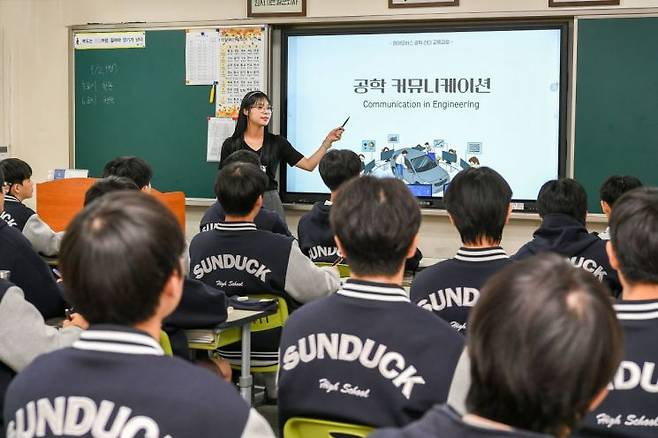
135, 102
616, 102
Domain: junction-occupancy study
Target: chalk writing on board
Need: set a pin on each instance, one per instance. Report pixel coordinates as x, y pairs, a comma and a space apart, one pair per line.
100, 88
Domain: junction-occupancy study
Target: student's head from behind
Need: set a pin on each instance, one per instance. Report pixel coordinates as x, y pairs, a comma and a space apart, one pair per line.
107, 185
338, 166
134, 168
121, 260
242, 156
563, 196
612, 189
239, 188
544, 343
478, 202
376, 224
18, 177
633, 246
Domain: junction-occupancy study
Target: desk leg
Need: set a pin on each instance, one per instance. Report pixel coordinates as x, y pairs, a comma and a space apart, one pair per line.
246, 380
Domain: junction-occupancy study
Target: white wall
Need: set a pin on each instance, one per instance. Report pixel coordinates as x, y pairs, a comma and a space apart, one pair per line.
34, 110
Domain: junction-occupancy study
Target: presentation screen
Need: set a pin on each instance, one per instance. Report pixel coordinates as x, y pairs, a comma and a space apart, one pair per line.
423, 105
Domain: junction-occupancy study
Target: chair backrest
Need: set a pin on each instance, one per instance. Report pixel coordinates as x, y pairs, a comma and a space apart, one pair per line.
165, 343
273, 321
343, 270
60, 200
299, 427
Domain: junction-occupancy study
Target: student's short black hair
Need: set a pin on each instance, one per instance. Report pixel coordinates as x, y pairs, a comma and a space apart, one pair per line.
2, 178
117, 256
376, 220
634, 235
564, 196
478, 201
134, 168
242, 156
615, 186
15, 170
107, 185
543, 341
338, 166
238, 186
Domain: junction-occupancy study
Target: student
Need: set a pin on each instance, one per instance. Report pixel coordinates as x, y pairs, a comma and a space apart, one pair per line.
107, 185
264, 220
133, 168
27, 269
478, 204
116, 378
251, 133
240, 259
611, 189
562, 205
316, 238
18, 176
544, 343
366, 354
631, 408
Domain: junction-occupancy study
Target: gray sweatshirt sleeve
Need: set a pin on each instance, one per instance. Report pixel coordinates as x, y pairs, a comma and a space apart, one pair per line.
461, 382
306, 282
25, 334
257, 426
41, 236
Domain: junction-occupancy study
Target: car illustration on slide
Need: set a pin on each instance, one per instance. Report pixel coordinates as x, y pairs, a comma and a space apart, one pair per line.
419, 168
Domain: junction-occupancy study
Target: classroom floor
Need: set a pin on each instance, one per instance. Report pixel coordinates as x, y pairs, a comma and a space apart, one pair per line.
271, 414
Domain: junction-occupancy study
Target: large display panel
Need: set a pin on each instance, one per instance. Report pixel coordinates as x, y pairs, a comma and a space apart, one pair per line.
425, 104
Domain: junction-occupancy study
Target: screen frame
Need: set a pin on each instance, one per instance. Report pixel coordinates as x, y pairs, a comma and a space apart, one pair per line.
563, 25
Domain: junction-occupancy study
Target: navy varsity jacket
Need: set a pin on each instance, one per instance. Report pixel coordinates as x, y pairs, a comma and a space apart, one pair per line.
316, 238
365, 355
116, 379
443, 421
631, 407
452, 287
564, 235
41, 236
29, 272
240, 259
265, 220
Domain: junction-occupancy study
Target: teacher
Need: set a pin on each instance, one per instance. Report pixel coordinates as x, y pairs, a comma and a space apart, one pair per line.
251, 133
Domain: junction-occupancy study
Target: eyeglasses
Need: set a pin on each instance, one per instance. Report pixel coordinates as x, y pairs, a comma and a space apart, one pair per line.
263, 108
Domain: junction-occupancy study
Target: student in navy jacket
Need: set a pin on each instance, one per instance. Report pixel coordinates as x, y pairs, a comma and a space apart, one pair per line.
631, 408
478, 204
562, 205
265, 219
366, 354
316, 238
115, 376
240, 259
18, 177
611, 190
28, 271
544, 343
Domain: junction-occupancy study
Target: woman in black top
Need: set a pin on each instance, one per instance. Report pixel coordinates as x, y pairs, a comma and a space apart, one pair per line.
251, 133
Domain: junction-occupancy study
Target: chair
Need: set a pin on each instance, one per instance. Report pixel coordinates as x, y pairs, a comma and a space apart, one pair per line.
343, 270
60, 200
299, 427
165, 343
270, 322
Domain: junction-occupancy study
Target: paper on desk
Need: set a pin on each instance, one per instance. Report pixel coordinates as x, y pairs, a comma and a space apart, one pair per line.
201, 57
219, 129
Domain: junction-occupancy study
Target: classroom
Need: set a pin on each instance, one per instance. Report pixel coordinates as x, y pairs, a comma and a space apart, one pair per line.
598, 120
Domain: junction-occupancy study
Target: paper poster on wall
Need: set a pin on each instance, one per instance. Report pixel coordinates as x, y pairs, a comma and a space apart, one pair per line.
219, 129
242, 52
109, 40
201, 56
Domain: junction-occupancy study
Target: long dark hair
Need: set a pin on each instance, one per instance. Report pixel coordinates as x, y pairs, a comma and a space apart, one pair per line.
250, 100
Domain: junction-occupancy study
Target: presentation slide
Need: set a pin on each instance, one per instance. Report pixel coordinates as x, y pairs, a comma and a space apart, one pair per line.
423, 106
